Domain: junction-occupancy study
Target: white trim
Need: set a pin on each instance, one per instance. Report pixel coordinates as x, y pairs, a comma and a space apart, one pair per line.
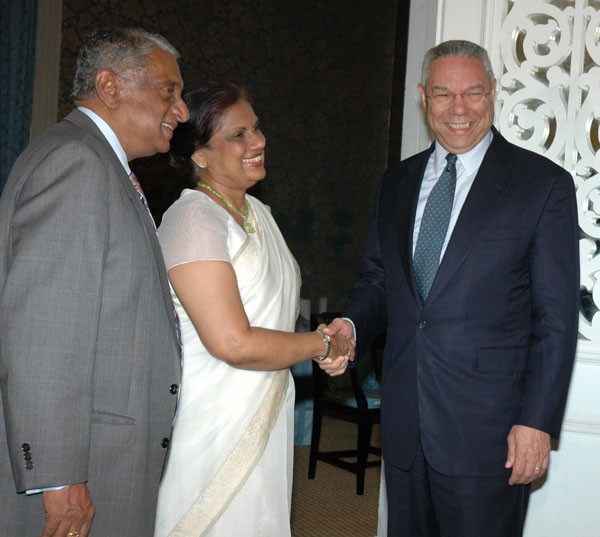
461, 19
588, 352
589, 427
421, 37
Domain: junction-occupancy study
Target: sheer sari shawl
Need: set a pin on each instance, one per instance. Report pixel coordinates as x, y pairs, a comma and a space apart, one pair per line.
225, 414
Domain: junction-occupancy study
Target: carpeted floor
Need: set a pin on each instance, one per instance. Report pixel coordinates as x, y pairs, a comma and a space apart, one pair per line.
328, 506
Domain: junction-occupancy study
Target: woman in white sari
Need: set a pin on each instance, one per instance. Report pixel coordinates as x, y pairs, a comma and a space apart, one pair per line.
236, 291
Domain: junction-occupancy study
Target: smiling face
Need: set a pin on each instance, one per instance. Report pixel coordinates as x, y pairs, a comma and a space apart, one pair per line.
150, 106
458, 127
235, 155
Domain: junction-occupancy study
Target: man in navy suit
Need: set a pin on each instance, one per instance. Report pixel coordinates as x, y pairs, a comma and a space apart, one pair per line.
476, 369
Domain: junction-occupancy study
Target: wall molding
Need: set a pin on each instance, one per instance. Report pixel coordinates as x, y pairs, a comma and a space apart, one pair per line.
588, 353
586, 427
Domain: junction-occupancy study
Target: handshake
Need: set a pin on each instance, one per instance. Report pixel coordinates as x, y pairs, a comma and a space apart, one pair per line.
343, 345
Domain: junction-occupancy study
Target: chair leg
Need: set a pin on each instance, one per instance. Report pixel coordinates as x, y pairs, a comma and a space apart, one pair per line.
364, 441
314, 442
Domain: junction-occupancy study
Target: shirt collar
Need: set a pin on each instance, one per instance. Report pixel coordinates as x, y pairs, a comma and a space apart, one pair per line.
110, 136
471, 160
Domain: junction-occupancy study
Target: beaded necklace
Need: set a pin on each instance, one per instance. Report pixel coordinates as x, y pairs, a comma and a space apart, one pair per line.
248, 227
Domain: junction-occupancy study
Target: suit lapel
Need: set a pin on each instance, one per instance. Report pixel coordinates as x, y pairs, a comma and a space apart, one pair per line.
85, 123
406, 207
152, 239
487, 192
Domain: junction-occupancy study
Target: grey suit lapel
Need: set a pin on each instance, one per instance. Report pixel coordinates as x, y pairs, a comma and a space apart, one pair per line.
84, 122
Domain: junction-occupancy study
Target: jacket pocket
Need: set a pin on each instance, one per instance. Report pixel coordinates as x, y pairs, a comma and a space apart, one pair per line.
105, 418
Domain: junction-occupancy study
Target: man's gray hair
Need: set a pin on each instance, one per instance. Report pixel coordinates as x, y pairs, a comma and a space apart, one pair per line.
456, 47
118, 49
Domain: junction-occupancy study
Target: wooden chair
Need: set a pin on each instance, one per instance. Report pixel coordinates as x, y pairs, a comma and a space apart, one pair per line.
351, 404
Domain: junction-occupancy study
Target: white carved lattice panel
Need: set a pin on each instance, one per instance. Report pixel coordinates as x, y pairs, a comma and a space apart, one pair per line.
549, 102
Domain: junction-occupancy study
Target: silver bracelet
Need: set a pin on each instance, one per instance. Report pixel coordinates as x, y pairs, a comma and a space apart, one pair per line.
327, 341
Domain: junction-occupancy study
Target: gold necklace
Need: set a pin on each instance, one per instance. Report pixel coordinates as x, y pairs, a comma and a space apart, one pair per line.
248, 227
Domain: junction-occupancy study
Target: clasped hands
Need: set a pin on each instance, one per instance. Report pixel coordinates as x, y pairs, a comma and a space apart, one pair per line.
343, 347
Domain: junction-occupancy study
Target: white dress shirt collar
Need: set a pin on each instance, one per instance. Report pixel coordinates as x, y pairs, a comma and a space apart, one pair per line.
110, 136
470, 161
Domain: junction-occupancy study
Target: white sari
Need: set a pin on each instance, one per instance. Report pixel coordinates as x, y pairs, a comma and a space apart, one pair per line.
229, 471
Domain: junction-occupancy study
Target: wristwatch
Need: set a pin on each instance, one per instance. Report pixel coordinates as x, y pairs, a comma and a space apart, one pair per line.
327, 341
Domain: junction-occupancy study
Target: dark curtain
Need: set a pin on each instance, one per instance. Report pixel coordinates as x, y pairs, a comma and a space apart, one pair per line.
17, 49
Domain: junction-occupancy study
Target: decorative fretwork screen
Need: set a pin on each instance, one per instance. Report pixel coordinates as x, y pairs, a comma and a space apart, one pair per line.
549, 101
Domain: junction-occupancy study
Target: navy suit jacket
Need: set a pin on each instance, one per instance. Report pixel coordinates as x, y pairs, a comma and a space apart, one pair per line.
494, 343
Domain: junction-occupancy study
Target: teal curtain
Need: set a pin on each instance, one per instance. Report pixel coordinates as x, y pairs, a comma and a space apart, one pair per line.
17, 50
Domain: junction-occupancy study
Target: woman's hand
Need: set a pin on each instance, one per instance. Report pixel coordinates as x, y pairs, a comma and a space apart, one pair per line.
342, 351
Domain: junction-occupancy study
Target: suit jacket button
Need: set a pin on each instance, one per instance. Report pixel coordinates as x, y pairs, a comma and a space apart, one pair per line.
174, 389
26, 448
422, 325
27, 456
28, 465
165, 443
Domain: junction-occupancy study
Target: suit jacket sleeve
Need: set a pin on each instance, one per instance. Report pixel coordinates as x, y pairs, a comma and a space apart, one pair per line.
366, 305
554, 276
49, 311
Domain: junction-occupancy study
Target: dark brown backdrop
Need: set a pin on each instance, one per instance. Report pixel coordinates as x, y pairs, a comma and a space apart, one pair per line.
327, 75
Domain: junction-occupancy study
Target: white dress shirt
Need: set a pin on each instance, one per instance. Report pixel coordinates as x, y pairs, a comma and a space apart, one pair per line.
467, 166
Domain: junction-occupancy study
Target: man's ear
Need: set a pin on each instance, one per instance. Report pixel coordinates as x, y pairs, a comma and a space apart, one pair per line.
108, 88
423, 95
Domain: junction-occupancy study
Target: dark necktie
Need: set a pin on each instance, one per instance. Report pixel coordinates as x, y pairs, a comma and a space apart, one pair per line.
434, 226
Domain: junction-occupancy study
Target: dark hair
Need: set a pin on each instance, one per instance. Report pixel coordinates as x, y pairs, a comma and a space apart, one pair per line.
207, 104
120, 49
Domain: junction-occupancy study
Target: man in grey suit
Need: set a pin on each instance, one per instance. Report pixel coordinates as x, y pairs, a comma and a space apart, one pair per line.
89, 357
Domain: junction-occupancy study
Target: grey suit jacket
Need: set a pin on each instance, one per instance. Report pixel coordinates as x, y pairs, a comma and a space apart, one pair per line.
89, 363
